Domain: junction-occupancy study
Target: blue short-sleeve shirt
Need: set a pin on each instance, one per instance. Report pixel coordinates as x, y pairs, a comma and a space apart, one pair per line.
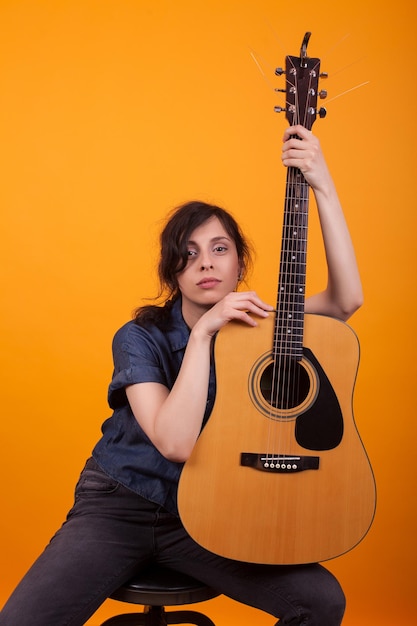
144, 354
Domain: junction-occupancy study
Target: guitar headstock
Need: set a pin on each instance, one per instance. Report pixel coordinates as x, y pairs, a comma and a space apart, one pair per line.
302, 79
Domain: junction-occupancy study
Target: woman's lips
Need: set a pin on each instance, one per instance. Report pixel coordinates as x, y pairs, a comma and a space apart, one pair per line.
208, 283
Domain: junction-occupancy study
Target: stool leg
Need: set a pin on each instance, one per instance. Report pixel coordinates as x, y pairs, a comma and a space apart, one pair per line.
188, 617
126, 619
152, 616
157, 616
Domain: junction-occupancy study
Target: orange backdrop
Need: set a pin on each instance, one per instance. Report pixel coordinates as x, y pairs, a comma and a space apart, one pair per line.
113, 111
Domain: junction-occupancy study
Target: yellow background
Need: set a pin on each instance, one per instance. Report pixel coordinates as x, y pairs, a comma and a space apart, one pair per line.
112, 112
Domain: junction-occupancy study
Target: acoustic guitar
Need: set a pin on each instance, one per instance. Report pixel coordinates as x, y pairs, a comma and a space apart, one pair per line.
279, 474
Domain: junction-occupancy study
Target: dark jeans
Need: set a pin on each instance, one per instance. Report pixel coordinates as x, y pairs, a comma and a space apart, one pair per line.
111, 533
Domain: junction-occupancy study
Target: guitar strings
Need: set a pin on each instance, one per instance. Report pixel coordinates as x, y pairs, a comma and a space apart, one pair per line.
279, 382
286, 376
282, 374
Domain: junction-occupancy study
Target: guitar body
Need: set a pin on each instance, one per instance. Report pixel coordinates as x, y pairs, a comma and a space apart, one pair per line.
280, 485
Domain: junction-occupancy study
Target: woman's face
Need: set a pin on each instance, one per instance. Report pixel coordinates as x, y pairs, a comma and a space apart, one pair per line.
212, 270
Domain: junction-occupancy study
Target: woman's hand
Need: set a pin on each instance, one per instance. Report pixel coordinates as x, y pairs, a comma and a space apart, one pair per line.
301, 149
237, 305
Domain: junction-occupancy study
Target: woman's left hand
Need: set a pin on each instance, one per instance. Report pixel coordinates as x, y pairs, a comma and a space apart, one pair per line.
301, 149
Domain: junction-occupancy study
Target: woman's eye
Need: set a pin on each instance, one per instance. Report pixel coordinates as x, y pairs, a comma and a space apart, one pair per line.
220, 249
192, 252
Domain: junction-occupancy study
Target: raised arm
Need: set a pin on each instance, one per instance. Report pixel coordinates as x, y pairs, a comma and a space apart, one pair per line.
343, 294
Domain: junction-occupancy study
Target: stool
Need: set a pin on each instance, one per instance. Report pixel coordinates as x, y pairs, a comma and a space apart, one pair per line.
155, 588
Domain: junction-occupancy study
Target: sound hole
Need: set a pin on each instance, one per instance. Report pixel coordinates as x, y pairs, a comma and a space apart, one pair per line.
286, 384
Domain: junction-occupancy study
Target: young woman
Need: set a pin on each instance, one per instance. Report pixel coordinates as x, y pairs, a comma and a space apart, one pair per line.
162, 392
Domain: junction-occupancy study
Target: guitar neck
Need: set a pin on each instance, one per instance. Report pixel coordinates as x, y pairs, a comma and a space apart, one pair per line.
289, 324
302, 75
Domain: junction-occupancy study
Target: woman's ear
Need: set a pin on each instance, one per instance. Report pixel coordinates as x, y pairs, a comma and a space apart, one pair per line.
240, 272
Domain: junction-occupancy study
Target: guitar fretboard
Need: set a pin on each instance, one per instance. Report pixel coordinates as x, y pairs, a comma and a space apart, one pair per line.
289, 325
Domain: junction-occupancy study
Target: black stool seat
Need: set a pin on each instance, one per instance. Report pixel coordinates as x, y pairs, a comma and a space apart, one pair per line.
155, 588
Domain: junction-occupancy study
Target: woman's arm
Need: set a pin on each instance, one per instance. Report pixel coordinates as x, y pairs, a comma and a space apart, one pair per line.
173, 419
343, 294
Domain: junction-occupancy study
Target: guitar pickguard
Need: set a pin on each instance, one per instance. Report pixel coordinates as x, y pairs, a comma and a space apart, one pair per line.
320, 427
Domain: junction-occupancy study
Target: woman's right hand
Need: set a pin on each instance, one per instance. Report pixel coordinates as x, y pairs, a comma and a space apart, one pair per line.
236, 305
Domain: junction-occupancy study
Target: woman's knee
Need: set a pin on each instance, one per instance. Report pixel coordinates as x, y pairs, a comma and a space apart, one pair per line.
318, 599
327, 602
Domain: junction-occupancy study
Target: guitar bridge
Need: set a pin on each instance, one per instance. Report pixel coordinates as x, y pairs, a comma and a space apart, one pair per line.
279, 463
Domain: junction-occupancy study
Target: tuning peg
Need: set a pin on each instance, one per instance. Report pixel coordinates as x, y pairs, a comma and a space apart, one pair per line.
324, 75
323, 94
322, 112
280, 90
280, 109
279, 71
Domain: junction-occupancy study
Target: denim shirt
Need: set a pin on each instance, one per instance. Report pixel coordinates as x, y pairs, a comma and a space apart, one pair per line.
124, 451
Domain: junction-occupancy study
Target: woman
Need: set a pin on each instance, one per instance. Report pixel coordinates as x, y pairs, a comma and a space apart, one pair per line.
125, 513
